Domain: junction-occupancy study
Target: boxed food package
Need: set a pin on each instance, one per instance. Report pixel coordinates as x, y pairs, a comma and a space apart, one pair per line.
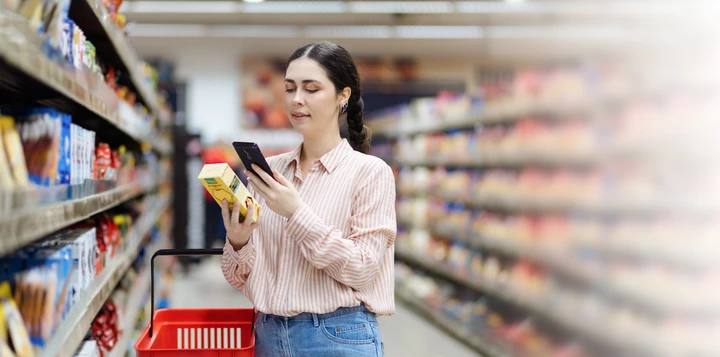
45, 136
223, 184
17, 332
14, 151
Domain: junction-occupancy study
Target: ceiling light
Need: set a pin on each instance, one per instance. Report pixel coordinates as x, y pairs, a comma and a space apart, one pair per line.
190, 7
348, 31
253, 31
395, 7
439, 32
290, 7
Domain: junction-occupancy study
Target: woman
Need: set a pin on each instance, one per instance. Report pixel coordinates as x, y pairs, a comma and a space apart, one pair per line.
318, 266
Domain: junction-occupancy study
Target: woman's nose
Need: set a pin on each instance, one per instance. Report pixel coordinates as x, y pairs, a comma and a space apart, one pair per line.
297, 98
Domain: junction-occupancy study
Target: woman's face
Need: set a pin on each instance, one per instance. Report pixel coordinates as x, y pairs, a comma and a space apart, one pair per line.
311, 99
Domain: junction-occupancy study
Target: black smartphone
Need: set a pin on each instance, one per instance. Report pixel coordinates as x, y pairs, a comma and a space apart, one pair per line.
249, 154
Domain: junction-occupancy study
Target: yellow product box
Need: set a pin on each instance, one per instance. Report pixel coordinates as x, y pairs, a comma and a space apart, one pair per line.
222, 183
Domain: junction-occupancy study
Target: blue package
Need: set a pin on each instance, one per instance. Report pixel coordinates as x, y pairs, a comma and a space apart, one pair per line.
67, 40
57, 125
65, 154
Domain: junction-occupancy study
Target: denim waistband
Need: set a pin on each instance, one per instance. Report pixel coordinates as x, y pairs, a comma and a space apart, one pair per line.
309, 316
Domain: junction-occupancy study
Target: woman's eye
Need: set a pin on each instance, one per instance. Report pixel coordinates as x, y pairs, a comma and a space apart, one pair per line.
311, 90
289, 90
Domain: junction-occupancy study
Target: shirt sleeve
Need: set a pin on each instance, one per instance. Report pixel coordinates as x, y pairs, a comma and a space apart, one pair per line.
353, 260
237, 265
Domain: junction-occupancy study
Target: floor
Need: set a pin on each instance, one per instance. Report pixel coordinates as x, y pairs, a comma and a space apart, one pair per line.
404, 334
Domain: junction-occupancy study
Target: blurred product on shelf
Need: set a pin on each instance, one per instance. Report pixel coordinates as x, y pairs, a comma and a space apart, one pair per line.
13, 148
105, 328
15, 333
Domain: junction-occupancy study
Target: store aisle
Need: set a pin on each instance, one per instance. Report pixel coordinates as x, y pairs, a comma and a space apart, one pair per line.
405, 333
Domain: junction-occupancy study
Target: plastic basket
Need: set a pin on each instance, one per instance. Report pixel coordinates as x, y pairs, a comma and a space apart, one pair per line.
196, 332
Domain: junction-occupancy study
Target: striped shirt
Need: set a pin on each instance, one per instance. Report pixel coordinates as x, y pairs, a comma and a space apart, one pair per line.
337, 250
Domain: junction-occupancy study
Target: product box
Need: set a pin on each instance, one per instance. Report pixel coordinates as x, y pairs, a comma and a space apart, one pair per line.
222, 183
7, 182
14, 151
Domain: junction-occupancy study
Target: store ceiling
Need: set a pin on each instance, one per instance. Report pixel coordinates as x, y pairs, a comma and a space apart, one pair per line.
438, 28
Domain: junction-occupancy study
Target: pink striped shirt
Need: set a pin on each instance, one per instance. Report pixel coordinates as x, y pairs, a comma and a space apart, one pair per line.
337, 250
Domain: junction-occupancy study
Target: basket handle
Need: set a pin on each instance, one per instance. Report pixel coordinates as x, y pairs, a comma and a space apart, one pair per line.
165, 252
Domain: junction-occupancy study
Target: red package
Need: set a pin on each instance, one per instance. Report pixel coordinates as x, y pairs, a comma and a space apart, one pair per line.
103, 157
105, 328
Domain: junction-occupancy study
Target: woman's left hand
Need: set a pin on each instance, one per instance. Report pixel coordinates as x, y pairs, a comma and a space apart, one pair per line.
279, 194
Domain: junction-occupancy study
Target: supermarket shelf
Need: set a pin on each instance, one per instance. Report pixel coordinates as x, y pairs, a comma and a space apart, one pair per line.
541, 306
479, 343
71, 332
612, 206
93, 18
140, 291
498, 115
34, 222
482, 160
21, 50
563, 264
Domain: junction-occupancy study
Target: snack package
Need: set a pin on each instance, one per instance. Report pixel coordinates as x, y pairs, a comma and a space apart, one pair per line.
65, 151
222, 183
7, 182
66, 45
17, 331
14, 151
45, 135
74, 155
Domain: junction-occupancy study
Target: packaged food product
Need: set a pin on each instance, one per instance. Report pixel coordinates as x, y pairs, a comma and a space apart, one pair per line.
7, 182
223, 184
105, 328
14, 150
89, 55
16, 328
45, 135
104, 161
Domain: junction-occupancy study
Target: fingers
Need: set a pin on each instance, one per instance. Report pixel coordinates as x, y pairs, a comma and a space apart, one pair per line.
225, 213
269, 180
236, 213
280, 178
250, 215
258, 184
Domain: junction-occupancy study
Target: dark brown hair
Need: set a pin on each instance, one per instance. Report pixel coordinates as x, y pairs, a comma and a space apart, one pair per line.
340, 68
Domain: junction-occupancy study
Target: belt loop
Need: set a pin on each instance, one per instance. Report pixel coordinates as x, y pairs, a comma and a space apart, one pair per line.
264, 318
315, 320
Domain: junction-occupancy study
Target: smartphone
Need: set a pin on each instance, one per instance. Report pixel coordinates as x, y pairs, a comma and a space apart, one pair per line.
249, 154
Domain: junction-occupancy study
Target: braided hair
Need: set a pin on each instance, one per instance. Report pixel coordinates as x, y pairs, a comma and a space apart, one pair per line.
340, 68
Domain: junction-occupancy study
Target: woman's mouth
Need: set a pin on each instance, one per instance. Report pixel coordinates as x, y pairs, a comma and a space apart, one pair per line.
300, 116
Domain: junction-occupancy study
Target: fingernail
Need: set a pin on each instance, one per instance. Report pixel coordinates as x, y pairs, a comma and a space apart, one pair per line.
249, 178
245, 172
224, 201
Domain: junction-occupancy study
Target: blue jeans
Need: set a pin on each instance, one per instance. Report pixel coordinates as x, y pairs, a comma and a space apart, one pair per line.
347, 331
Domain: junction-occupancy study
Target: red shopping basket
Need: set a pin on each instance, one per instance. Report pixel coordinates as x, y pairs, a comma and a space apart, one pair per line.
196, 332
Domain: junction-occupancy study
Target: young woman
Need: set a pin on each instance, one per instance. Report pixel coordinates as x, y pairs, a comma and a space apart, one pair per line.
318, 264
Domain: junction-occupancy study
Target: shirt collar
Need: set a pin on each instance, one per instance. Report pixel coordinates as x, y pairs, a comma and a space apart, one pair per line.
330, 160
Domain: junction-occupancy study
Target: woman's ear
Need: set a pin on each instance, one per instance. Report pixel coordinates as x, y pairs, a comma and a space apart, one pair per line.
344, 96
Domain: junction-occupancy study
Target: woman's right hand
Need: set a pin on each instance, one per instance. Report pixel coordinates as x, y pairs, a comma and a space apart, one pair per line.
238, 233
